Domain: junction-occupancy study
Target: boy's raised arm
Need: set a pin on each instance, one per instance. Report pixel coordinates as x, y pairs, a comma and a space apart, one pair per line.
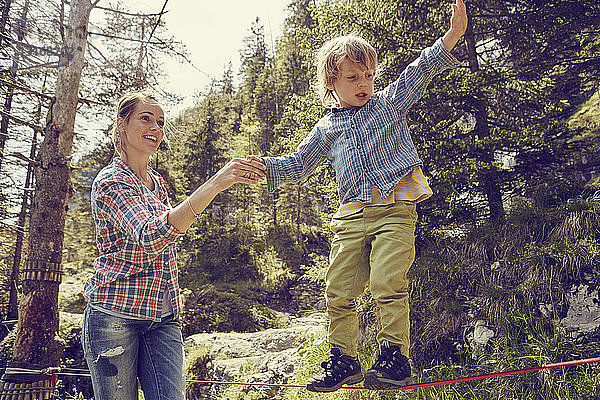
458, 25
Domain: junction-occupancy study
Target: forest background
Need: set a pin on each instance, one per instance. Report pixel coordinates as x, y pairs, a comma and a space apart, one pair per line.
509, 142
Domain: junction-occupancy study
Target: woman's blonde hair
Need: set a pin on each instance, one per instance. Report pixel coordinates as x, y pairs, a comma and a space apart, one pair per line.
330, 56
126, 105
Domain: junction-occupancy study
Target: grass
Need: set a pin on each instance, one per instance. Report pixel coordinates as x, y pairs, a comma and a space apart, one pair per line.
499, 275
522, 345
588, 118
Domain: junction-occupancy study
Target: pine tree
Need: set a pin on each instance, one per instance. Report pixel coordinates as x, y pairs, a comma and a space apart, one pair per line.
37, 344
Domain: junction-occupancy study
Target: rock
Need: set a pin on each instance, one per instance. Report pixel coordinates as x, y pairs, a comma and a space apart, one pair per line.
236, 345
268, 356
272, 365
70, 319
70, 297
583, 314
479, 338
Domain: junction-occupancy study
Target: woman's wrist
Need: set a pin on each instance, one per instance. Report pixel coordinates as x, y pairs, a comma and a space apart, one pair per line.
189, 203
212, 186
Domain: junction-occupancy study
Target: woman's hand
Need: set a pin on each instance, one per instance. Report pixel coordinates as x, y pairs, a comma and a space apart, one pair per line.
239, 170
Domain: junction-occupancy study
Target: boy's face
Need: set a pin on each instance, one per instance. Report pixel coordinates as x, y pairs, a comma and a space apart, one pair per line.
354, 84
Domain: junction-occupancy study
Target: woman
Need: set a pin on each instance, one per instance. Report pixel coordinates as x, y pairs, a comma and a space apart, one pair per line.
131, 324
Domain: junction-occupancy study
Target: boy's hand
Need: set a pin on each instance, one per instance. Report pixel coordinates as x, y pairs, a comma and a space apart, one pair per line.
458, 25
256, 162
458, 21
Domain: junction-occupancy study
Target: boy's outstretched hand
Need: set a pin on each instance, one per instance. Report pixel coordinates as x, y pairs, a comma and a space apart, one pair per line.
458, 24
458, 21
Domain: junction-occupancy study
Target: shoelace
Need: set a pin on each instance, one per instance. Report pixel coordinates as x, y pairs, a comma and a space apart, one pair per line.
388, 359
330, 367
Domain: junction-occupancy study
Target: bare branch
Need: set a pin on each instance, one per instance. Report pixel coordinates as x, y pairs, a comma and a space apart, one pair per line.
158, 20
14, 43
122, 38
131, 14
21, 121
105, 58
95, 5
43, 95
62, 23
25, 89
185, 58
22, 157
53, 64
160, 42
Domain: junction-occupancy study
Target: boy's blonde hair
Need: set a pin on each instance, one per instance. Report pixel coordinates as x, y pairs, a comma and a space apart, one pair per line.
330, 56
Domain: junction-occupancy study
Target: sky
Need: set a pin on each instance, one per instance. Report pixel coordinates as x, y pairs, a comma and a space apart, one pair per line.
213, 33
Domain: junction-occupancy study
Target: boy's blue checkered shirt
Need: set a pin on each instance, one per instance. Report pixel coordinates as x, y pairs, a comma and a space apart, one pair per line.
370, 145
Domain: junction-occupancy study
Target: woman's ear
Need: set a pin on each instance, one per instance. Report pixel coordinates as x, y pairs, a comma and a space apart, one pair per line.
120, 124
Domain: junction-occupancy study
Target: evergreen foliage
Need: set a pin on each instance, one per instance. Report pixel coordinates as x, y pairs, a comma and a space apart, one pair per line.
538, 72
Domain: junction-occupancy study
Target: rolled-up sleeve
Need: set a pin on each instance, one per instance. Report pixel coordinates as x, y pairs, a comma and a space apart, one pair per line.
123, 206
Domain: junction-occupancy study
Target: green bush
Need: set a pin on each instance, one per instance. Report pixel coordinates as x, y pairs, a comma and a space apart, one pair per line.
225, 309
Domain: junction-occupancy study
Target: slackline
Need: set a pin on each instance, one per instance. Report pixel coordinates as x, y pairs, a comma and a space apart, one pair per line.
55, 372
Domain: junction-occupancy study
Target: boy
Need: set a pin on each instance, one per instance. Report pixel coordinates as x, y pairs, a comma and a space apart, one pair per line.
379, 177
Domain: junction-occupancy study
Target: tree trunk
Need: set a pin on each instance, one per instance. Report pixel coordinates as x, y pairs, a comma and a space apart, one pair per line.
12, 313
487, 177
38, 345
5, 5
12, 77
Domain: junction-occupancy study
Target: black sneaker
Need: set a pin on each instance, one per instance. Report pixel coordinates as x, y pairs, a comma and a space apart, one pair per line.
339, 370
391, 369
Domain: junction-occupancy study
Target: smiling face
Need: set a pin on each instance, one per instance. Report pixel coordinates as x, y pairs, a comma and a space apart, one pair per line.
143, 130
353, 85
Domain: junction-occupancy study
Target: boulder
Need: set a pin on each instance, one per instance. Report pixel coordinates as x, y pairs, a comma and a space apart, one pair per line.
268, 356
583, 313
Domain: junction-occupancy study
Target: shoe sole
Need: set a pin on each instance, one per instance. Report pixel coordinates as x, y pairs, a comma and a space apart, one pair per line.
374, 382
351, 380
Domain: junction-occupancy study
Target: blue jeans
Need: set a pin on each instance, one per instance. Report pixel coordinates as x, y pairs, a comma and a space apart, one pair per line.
121, 350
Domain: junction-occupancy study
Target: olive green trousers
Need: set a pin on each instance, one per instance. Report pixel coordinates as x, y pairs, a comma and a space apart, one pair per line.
377, 246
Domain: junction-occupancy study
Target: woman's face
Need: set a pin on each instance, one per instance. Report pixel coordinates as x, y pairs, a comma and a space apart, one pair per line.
144, 130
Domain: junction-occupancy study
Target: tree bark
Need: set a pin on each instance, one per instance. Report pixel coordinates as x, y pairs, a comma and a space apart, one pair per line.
10, 90
38, 345
487, 177
12, 313
5, 5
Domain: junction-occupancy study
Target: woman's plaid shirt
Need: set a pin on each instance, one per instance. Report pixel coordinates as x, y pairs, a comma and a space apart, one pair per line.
137, 262
370, 145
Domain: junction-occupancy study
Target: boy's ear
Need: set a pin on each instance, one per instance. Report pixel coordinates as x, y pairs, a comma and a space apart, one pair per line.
330, 86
